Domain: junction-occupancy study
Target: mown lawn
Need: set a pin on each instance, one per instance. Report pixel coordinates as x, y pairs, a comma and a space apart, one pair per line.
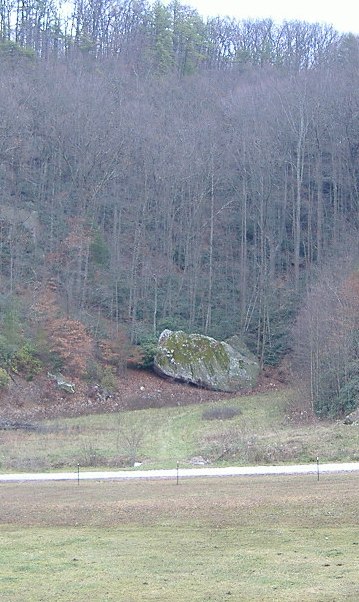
239, 539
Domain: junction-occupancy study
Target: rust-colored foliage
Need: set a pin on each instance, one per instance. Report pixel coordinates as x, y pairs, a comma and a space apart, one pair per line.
114, 351
79, 235
69, 339
45, 305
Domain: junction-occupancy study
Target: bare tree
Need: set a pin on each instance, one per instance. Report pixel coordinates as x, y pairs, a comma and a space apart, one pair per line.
326, 349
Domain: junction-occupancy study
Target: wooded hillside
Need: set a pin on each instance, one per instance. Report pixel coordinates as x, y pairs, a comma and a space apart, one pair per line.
158, 170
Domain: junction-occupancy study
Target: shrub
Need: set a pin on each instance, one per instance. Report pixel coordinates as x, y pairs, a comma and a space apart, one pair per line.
20, 358
148, 351
172, 323
108, 379
102, 375
7, 350
338, 404
91, 456
99, 251
26, 362
4, 378
226, 444
94, 371
221, 413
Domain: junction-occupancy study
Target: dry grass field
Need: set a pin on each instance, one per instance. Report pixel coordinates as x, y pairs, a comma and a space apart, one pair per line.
238, 539
260, 432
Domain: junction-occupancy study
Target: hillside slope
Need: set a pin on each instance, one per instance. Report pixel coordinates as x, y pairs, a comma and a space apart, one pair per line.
137, 389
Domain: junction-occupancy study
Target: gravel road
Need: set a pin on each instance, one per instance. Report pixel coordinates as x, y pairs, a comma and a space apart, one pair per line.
233, 471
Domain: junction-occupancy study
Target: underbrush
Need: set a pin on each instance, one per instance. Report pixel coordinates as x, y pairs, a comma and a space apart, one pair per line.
221, 413
239, 446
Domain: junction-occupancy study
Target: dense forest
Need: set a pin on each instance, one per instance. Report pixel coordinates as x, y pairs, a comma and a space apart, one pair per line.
162, 170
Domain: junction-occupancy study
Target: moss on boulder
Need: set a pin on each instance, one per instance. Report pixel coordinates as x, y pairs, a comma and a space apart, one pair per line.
205, 362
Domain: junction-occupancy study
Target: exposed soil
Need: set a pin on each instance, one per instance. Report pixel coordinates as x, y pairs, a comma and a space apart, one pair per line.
137, 389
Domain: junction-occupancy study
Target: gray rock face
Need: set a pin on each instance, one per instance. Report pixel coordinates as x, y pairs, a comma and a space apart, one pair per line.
62, 383
352, 418
205, 362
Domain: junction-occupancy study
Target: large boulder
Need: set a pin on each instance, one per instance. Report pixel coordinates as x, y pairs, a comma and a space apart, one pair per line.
205, 362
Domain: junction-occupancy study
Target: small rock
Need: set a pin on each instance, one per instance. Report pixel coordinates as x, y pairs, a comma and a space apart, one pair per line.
198, 461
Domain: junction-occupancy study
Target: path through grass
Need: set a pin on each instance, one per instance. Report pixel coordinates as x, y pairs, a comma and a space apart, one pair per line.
260, 433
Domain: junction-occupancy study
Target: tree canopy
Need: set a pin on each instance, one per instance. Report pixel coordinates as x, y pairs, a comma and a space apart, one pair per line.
157, 169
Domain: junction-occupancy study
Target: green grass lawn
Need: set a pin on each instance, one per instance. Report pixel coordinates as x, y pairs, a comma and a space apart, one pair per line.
239, 539
261, 433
